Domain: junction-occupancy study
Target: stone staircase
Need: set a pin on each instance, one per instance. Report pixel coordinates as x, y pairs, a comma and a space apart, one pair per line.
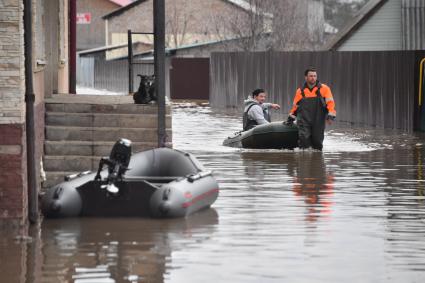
79, 130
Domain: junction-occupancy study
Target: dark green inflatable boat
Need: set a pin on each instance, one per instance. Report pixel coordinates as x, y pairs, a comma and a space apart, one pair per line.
275, 135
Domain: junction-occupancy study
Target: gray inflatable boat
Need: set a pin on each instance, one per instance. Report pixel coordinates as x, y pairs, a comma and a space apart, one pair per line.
275, 135
158, 183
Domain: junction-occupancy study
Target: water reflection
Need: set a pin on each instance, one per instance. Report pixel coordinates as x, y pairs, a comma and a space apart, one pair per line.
420, 173
117, 250
314, 184
406, 217
337, 219
311, 182
13, 253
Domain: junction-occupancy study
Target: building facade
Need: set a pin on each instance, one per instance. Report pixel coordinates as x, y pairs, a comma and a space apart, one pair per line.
90, 26
50, 74
187, 21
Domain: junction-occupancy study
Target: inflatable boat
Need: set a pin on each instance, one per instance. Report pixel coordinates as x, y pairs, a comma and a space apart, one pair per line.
158, 183
275, 135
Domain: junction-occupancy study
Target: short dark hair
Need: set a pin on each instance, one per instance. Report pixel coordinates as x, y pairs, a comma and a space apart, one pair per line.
257, 92
309, 69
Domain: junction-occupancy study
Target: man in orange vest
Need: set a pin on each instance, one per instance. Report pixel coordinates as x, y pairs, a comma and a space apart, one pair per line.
313, 106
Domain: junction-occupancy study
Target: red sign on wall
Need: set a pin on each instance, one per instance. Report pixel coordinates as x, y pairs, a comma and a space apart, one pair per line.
83, 18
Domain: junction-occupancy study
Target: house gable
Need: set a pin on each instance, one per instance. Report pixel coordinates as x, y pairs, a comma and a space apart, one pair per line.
382, 31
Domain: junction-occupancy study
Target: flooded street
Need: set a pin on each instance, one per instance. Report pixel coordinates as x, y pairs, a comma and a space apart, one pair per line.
352, 213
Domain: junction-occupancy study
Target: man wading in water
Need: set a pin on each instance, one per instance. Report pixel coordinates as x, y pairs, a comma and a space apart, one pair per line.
256, 111
313, 106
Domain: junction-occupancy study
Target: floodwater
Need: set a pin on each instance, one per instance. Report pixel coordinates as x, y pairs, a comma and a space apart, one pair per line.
352, 213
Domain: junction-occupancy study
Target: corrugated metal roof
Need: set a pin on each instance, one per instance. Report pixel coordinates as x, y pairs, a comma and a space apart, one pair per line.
144, 54
109, 47
413, 24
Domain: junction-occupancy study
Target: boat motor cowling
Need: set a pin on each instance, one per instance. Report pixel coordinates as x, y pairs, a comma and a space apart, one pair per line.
117, 163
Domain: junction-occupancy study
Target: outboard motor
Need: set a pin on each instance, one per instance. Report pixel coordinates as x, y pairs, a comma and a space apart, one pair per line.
117, 164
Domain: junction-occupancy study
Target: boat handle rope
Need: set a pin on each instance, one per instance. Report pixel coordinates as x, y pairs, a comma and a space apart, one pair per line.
192, 178
73, 176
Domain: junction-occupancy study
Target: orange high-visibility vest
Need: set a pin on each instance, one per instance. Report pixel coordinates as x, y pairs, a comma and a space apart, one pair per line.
324, 91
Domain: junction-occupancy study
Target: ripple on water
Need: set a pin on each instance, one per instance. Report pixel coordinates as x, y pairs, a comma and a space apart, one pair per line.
353, 213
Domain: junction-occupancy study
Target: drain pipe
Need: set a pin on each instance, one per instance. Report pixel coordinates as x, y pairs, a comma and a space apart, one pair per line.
29, 117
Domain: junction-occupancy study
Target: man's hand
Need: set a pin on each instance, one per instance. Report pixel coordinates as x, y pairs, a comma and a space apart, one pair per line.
330, 118
275, 106
289, 121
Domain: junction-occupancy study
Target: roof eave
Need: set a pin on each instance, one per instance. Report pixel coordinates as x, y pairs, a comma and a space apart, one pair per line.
122, 9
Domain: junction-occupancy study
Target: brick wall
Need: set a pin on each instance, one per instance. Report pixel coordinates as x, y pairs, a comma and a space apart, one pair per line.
13, 181
11, 62
13, 184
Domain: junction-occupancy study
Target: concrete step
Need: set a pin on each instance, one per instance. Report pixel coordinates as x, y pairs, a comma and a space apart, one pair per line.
103, 108
80, 129
104, 120
88, 148
70, 163
64, 133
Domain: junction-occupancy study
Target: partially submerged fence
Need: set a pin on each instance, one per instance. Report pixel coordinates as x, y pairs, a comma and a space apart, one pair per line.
370, 88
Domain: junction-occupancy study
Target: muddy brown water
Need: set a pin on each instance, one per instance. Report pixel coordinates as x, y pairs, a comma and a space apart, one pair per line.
352, 213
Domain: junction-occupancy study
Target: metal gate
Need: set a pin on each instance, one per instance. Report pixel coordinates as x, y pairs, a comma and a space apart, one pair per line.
190, 78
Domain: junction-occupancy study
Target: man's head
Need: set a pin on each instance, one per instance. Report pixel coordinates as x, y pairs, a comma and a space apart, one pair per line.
259, 95
311, 76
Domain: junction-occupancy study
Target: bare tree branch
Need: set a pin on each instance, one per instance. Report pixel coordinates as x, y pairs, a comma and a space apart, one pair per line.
178, 20
274, 24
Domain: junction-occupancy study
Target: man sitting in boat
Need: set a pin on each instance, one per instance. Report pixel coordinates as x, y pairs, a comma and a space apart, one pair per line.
256, 111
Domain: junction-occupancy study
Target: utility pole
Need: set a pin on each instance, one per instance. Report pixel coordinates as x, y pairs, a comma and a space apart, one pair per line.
130, 61
159, 49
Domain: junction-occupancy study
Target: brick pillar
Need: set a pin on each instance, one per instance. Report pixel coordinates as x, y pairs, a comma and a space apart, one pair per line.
13, 183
